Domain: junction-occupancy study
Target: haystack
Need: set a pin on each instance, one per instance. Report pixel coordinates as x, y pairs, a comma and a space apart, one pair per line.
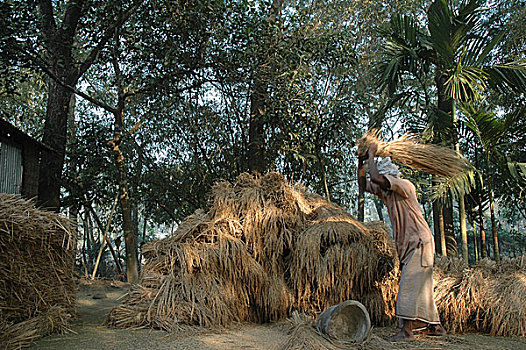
262, 249
37, 293
487, 297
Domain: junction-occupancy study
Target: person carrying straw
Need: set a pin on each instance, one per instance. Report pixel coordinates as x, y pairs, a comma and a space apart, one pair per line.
415, 306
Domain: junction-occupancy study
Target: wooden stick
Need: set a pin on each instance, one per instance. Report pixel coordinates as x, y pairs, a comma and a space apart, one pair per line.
105, 236
113, 253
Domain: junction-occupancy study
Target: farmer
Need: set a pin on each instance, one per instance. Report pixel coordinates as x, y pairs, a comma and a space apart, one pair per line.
415, 306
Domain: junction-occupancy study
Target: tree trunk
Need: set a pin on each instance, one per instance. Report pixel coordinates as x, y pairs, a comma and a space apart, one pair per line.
52, 162
59, 41
443, 245
475, 240
479, 191
107, 240
445, 104
256, 157
463, 230
437, 226
361, 204
256, 130
378, 206
122, 180
496, 252
461, 203
483, 247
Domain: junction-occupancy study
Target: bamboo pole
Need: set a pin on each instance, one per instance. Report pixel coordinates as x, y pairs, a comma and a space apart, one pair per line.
105, 236
113, 253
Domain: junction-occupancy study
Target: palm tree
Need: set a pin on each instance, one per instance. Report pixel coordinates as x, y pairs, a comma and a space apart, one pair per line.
457, 47
492, 132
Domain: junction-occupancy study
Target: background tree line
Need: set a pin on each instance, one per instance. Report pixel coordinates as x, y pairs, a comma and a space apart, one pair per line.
152, 102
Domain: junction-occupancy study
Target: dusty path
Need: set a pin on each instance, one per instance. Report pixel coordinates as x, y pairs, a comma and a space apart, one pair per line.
94, 301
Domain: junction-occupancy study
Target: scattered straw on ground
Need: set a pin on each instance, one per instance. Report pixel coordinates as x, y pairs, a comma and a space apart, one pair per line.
304, 336
37, 293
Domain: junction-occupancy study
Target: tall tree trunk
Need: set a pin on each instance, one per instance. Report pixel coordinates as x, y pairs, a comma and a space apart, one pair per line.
438, 227
256, 130
59, 41
483, 246
475, 240
122, 180
445, 104
496, 252
479, 192
256, 156
132, 273
443, 240
361, 204
74, 207
52, 161
463, 229
378, 206
461, 203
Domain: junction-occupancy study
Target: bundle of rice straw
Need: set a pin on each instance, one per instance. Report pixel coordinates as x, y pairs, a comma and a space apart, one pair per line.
304, 336
486, 298
37, 292
409, 151
262, 249
55, 319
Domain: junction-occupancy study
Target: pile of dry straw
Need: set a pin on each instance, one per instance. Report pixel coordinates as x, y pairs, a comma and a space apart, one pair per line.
37, 293
262, 249
487, 297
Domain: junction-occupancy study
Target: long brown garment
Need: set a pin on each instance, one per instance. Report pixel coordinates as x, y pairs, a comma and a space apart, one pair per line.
415, 247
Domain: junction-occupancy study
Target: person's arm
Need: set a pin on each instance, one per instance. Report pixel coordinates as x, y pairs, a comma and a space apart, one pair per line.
376, 177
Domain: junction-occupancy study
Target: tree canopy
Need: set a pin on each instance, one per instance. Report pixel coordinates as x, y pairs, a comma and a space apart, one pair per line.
160, 99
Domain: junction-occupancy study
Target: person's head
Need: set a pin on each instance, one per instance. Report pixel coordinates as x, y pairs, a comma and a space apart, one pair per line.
386, 167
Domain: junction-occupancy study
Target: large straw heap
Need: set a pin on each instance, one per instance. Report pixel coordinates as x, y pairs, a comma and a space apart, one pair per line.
263, 249
37, 293
487, 297
409, 151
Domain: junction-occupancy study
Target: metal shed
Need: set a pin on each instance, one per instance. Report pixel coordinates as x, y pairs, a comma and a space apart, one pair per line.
19, 161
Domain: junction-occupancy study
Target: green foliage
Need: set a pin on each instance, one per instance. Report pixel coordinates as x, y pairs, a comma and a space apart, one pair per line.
189, 69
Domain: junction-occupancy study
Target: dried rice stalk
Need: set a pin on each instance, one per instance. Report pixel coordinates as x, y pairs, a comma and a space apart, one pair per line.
487, 298
408, 150
304, 336
253, 256
55, 320
36, 270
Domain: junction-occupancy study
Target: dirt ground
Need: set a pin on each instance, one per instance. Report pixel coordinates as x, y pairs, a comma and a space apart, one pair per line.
94, 300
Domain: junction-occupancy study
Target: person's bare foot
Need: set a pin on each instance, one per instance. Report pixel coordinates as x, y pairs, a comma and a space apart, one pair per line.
435, 330
402, 336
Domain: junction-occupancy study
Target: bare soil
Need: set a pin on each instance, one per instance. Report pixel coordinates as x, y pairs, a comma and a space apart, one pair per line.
96, 298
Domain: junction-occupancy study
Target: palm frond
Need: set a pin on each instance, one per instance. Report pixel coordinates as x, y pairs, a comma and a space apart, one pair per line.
455, 187
439, 24
518, 172
465, 83
479, 48
402, 52
485, 124
508, 77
